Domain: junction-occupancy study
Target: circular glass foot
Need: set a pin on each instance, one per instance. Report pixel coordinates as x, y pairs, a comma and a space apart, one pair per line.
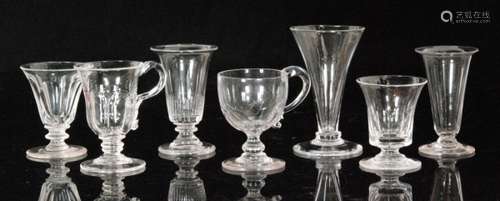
437, 150
311, 151
233, 166
200, 150
40, 153
103, 165
388, 164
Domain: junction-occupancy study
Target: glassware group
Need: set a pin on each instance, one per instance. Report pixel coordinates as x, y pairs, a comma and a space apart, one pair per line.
252, 100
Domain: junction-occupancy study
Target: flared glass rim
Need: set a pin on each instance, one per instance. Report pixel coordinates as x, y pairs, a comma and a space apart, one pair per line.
183, 48
431, 50
27, 66
419, 81
279, 73
327, 28
86, 65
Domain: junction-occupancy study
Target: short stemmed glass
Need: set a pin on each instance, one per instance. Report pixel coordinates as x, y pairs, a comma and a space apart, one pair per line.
56, 87
112, 102
186, 67
252, 101
391, 101
447, 68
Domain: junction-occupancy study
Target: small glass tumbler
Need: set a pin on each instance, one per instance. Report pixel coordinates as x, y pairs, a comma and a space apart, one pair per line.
252, 101
447, 68
186, 67
56, 87
112, 102
391, 101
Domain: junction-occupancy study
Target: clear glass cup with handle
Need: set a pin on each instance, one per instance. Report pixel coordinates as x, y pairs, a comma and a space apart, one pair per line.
56, 87
112, 104
390, 102
186, 67
447, 68
253, 100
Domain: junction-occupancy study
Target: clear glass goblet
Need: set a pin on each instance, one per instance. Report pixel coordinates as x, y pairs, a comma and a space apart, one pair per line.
327, 51
186, 67
56, 87
252, 101
112, 102
447, 68
391, 101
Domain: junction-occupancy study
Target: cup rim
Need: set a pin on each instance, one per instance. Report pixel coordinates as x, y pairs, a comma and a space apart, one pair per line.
433, 50
421, 81
84, 65
177, 48
25, 67
327, 28
221, 73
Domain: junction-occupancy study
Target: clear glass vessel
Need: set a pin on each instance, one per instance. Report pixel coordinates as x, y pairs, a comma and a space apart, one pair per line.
112, 102
252, 101
186, 67
391, 101
56, 87
327, 51
187, 185
58, 186
447, 68
254, 182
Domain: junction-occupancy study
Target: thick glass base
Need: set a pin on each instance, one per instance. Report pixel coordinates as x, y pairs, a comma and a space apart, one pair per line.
398, 163
343, 149
197, 150
110, 165
435, 149
237, 165
40, 153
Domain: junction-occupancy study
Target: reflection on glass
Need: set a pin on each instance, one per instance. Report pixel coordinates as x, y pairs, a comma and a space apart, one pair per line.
58, 186
113, 188
253, 182
187, 185
328, 184
447, 183
389, 188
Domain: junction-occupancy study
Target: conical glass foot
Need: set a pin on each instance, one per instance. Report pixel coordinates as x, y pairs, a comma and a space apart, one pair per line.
399, 163
107, 165
40, 153
437, 150
235, 165
169, 149
343, 149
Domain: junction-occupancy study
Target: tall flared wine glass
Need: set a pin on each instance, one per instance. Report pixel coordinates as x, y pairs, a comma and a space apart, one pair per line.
447, 68
327, 51
56, 87
391, 102
112, 104
186, 67
252, 101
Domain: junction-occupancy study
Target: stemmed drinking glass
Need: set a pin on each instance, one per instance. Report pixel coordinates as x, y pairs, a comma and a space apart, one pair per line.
112, 102
390, 101
56, 87
447, 68
327, 51
252, 101
186, 67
